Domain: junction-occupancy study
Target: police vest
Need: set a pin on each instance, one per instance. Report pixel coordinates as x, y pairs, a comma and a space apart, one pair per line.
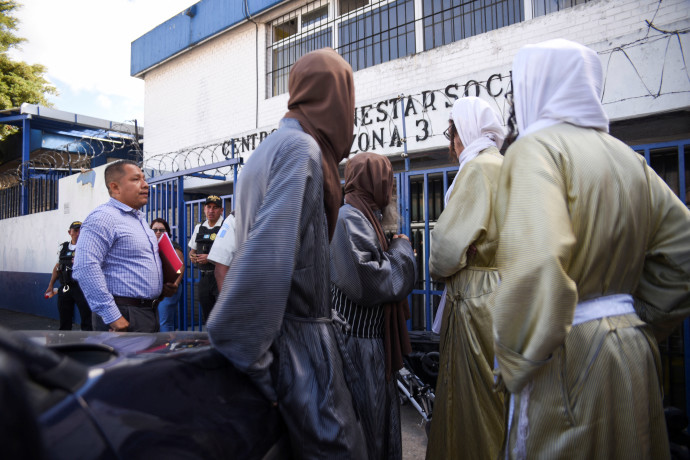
204, 240
65, 262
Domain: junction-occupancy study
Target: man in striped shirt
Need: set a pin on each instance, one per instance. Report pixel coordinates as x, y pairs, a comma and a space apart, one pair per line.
117, 262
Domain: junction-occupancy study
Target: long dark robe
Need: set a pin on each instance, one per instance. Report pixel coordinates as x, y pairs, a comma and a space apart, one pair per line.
364, 277
272, 318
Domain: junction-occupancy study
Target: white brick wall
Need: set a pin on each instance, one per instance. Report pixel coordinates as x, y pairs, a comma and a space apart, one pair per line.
209, 93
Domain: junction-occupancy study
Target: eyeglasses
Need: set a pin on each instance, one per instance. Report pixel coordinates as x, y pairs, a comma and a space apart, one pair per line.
447, 133
158, 230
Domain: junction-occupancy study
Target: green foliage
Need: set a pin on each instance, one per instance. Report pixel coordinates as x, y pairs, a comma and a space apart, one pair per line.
19, 81
8, 24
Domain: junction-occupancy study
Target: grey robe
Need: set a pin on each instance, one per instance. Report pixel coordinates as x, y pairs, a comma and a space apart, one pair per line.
364, 277
272, 318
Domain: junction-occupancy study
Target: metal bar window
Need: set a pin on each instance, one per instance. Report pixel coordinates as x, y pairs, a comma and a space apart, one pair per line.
542, 7
446, 21
364, 32
379, 35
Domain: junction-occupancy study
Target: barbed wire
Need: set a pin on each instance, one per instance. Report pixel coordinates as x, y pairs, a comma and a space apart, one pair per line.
77, 154
192, 157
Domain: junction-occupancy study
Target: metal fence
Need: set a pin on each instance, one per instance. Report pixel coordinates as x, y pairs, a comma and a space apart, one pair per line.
42, 190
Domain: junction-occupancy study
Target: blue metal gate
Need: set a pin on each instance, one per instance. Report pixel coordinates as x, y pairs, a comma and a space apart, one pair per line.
420, 197
191, 317
167, 200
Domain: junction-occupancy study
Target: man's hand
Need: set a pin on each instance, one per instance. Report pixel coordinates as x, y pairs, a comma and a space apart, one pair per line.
201, 258
119, 325
169, 289
401, 235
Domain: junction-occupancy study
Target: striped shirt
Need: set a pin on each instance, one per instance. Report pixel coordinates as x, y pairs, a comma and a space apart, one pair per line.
363, 276
365, 322
117, 255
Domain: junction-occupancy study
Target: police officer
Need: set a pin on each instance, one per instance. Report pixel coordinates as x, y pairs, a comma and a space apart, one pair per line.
200, 244
70, 292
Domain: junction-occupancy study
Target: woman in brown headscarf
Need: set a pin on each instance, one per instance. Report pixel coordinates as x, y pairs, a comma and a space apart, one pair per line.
371, 278
272, 319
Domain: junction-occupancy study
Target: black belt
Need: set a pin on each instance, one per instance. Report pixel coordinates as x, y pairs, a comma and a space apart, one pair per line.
206, 272
134, 302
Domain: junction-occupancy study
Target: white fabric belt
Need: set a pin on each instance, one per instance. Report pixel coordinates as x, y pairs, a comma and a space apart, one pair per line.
610, 305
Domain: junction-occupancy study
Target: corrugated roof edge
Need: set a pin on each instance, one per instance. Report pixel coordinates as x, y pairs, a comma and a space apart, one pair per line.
76, 119
190, 27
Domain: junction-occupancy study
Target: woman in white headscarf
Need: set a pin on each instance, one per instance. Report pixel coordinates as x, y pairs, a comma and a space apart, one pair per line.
468, 420
594, 258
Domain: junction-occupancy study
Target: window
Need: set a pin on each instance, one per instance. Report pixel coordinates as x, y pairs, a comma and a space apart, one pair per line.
365, 33
315, 16
350, 5
542, 7
446, 21
285, 29
286, 55
371, 32
378, 35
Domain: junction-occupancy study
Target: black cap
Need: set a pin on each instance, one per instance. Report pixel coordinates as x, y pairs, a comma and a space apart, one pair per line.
215, 199
74, 225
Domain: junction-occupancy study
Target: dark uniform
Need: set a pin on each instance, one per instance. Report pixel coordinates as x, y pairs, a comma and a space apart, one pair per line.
208, 288
70, 293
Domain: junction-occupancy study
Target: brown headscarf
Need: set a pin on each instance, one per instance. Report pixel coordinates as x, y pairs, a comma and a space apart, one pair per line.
368, 187
322, 99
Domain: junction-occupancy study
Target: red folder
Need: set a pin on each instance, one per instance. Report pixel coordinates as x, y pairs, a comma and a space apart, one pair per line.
172, 265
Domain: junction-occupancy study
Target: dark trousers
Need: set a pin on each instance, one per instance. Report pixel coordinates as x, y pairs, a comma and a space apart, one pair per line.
66, 301
208, 293
141, 319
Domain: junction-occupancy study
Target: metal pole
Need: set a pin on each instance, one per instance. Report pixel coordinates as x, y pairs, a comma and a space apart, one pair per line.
405, 155
26, 152
234, 178
182, 231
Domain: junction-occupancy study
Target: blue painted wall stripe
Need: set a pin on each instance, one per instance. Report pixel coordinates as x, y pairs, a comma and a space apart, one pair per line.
182, 31
22, 291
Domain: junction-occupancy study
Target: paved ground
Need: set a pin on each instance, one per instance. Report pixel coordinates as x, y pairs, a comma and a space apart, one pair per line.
413, 432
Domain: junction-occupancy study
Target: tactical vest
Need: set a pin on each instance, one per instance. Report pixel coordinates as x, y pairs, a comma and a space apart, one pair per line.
66, 260
204, 240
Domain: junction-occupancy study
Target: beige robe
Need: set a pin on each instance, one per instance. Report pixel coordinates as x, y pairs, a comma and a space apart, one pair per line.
582, 216
468, 415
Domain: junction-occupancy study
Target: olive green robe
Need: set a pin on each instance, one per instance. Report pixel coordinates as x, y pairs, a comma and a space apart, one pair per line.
468, 417
582, 216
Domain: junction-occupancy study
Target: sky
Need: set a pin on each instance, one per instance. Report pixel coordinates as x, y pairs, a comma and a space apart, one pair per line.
85, 46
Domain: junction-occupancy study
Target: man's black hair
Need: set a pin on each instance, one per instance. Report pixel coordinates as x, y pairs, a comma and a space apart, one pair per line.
115, 170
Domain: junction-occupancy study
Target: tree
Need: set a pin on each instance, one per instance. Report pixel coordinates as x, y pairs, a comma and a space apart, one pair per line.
19, 82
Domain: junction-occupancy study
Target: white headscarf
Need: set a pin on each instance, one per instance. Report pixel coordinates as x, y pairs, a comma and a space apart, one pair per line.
558, 81
479, 127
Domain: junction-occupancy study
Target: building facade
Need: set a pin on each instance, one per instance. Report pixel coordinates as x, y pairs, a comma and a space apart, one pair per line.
216, 82
216, 85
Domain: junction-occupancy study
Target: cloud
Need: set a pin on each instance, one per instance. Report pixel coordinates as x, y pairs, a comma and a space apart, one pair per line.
104, 101
85, 44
